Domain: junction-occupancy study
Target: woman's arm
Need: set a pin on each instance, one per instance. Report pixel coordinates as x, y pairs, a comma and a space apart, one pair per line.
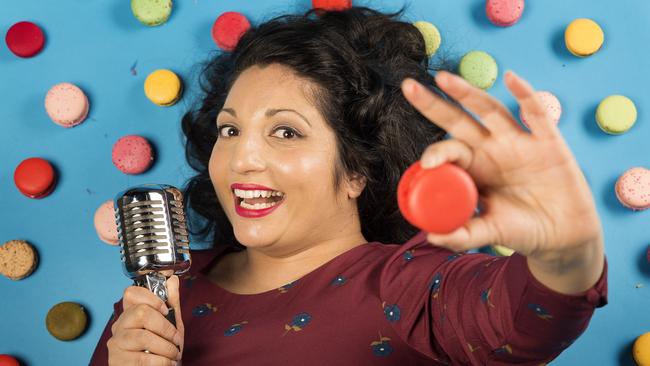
570, 272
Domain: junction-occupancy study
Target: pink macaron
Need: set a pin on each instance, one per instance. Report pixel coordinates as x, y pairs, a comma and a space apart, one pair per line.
132, 154
66, 104
633, 188
228, 29
551, 104
105, 223
504, 13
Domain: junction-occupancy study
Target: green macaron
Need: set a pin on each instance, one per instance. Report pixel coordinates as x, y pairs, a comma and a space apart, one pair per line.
151, 12
479, 69
616, 114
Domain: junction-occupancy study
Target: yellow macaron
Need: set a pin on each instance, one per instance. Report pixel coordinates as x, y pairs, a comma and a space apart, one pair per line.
641, 350
163, 87
583, 37
431, 36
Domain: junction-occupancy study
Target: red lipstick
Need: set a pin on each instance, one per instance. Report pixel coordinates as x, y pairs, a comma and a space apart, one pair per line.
252, 213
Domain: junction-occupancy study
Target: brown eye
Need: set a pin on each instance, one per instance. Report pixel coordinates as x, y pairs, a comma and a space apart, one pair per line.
229, 132
289, 133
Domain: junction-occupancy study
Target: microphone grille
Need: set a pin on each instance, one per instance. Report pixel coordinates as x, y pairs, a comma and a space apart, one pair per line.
152, 230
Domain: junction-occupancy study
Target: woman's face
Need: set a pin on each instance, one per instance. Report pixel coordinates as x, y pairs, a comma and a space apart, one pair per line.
270, 134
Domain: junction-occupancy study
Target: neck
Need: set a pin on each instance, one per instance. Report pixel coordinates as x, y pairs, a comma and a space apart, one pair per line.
270, 271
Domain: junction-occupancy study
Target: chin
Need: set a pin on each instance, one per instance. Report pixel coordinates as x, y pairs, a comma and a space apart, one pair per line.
253, 240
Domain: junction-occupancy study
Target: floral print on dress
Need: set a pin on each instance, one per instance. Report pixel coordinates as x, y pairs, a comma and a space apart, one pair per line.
340, 280
203, 310
286, 287
391, 312
381, 347
408, 255
435, 285
485, 297
540, 311
298, 323
234, 329
504, 349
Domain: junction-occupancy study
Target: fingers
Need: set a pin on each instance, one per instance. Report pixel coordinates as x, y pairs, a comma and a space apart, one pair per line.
474, 234
140, 295
137, 358
143, 316
537, 120
451, 150
444, 114
174, 300
138, 340
491, 112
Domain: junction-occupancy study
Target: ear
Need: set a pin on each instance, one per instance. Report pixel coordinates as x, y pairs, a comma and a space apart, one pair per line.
356, 183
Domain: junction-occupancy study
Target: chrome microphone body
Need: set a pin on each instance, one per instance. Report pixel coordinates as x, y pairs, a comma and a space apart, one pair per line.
153, 236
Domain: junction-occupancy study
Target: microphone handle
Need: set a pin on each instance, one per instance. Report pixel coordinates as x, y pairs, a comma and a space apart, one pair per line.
155, 282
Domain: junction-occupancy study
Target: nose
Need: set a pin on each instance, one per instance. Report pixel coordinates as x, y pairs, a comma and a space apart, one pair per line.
247, 155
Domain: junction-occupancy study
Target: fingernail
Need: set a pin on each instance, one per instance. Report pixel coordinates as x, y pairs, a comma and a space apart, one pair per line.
174, 363
177, 338
163, 309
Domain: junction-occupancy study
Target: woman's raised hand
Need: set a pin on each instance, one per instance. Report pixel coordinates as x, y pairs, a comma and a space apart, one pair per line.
534, 197
143, 326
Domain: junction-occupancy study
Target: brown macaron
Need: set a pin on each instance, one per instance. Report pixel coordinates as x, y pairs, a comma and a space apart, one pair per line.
18, 259
66, 321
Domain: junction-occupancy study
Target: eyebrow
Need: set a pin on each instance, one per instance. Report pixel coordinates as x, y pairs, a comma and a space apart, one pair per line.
269, 113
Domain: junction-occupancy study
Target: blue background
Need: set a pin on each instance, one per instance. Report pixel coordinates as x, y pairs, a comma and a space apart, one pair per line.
94, 44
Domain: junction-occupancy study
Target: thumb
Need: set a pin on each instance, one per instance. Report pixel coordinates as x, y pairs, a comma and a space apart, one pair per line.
450, 150
173, 298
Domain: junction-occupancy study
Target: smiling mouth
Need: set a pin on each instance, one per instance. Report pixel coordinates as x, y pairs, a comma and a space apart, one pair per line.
258, 203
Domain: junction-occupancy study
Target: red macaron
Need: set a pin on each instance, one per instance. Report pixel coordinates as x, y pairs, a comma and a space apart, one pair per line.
228, 29
8, 360
331, 4
25, 39
437, 200
35, 177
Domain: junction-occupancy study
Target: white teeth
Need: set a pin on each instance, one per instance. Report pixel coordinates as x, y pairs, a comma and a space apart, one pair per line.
241, 193
257, 206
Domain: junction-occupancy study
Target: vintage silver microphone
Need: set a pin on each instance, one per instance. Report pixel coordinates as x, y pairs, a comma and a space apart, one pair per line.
153, 236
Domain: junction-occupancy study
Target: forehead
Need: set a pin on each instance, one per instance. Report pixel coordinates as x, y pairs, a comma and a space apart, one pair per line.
273, 84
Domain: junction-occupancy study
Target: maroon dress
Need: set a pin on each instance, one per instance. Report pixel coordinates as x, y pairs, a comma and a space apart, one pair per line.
383, 304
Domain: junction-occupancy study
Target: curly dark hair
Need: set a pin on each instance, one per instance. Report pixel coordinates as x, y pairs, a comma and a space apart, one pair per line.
358, 58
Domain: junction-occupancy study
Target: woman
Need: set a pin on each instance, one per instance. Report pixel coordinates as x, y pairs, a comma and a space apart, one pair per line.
300, 141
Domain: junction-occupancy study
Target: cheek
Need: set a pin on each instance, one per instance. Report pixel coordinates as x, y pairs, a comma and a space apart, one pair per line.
306, 172
216, 169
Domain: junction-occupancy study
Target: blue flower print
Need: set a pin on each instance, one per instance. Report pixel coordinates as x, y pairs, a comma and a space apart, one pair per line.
485, 297
286, 287
298, 323
234, 329
339, 281
540, 311
408, 255
504, 349
452, 257
382, 347
203, 310
435, 284
391, 312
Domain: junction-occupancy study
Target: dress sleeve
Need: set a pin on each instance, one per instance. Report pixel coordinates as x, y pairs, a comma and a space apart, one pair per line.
100, 356
479, 309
